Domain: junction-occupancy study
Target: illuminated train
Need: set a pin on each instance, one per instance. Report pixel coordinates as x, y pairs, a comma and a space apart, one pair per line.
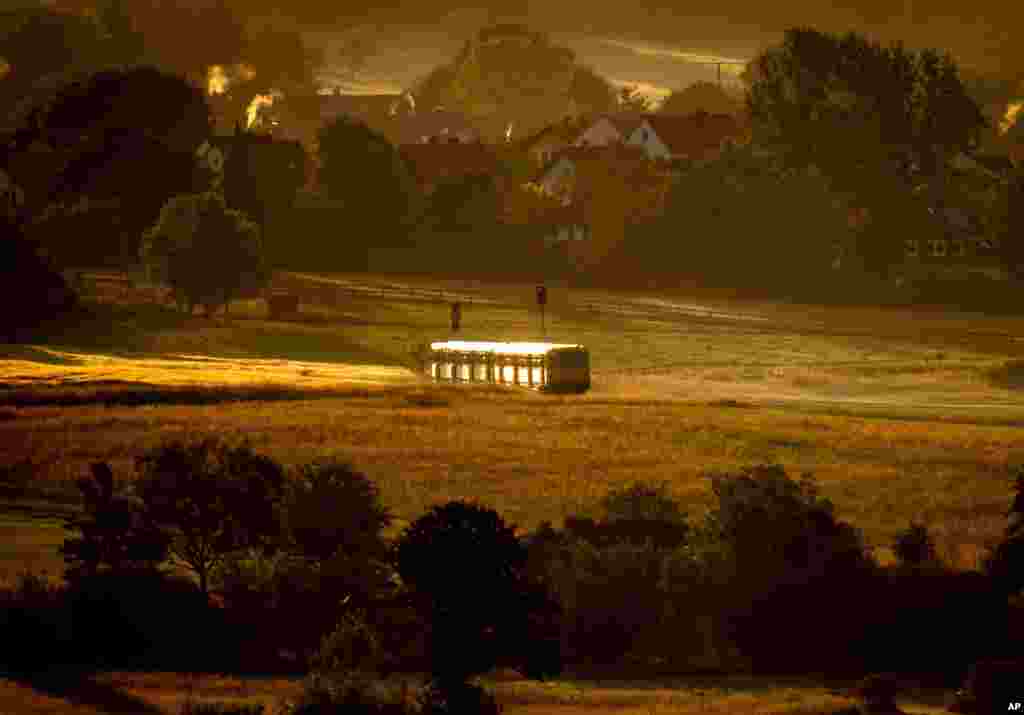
549, 367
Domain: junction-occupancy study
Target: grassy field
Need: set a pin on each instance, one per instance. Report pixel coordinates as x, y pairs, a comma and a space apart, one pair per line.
901, 415
169, 693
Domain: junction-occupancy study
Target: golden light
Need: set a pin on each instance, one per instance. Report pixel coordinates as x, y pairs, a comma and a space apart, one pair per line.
216, 80
244, 71
500, 348
1012, 113
260, 100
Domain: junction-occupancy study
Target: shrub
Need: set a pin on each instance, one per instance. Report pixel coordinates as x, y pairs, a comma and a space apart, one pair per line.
914, 547
209, 253
462, 699
782, 564
115, 532
1005, 564
35, 624
146, 620
465, 570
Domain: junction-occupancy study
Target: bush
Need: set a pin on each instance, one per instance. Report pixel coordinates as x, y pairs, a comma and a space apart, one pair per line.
208, 252
782, 564
465, 570
30, 282
36, 625
914, 547
147, 620
459, 699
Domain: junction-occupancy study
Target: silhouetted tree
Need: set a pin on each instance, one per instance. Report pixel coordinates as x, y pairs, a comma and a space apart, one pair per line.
207, 252
361, 168
914, 546
466, 571
28, 281
115, 533
211, 499
1011, 242
98, 136
465, 205
1005, 565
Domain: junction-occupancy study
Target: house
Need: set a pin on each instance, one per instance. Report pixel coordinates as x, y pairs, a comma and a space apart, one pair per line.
437, 125
541, 146
436, 162
696, 137
567, 224
962, 239
565, 167
609, 129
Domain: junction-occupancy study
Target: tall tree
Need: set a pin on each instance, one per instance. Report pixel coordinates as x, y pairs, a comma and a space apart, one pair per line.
877, 120
211, 499
362, 169
96, 137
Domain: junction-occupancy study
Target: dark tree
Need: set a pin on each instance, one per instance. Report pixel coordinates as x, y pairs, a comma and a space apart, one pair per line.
115, 533
30, 282
464, 205
1011, 244
888, 103
362, 169
98, 136
466, 571
212, 500
333, 508
914, 546
1005, 565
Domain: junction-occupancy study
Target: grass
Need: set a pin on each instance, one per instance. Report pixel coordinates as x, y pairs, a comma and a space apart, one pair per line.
900, 415
727, 695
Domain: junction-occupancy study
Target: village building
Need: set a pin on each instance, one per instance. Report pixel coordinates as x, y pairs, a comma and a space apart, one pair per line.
694, 137
433, 163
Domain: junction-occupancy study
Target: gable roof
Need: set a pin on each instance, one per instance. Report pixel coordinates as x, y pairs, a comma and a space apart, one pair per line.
693, 132
437, 123
610, 152
430, 162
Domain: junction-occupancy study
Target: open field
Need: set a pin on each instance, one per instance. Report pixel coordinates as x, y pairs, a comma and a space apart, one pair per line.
168, 693
900, 416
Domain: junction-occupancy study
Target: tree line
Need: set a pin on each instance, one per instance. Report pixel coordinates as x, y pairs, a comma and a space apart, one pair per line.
289, 571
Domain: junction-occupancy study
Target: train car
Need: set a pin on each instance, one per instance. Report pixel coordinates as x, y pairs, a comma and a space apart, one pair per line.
550, 367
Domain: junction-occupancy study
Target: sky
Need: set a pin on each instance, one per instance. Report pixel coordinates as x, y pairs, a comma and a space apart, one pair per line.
659, 48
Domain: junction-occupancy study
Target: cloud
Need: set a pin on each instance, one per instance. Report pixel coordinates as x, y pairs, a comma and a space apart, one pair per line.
731, 65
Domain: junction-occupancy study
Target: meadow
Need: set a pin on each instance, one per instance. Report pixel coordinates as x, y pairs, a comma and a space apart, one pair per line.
900, 415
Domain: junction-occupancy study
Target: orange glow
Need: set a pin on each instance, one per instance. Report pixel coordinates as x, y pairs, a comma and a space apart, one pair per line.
1012, 113
260, 100
216, 80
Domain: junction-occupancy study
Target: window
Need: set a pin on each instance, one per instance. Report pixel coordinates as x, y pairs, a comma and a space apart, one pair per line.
938, 246
959, 247
911, 247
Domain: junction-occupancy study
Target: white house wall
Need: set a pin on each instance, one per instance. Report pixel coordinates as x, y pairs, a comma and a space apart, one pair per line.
652, 145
